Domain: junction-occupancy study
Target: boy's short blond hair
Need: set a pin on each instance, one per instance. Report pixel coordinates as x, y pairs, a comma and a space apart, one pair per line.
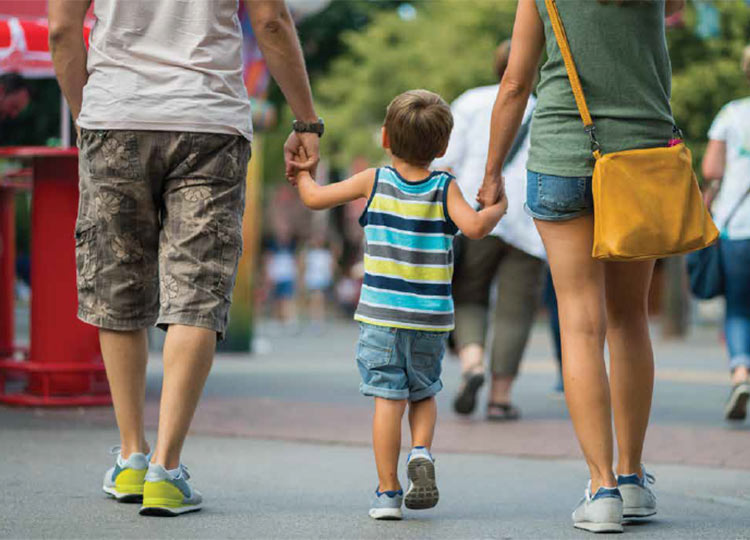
419, 124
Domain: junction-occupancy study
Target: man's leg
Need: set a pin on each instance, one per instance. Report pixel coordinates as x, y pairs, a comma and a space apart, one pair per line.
125, 355
188, 355
519, 288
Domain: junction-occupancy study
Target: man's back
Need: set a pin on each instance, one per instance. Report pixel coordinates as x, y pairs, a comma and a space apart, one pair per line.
169, 65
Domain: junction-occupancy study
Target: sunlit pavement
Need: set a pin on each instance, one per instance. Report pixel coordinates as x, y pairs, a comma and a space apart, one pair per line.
280, 449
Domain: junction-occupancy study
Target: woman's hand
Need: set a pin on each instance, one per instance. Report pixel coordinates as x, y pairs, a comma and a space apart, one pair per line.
491, 191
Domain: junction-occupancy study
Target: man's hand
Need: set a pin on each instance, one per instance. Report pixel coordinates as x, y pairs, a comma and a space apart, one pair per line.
301, 153
491, 191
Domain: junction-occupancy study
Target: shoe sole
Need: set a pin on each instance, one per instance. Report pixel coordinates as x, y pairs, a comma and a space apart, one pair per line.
423, 492
635, 513
164, 511
386, 514
736, 408
600, 527
123, 497
466, 401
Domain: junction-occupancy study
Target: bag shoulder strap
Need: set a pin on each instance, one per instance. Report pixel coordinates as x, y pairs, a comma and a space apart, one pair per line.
519, 140
736, 209
575, 81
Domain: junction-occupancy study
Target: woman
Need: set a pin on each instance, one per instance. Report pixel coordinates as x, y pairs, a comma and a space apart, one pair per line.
726, 165
622, 59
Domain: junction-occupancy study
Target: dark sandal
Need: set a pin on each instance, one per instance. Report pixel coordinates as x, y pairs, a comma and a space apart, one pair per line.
502, 412
466, 399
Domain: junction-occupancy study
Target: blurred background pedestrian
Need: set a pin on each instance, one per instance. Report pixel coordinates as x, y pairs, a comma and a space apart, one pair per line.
511, 259
726, 165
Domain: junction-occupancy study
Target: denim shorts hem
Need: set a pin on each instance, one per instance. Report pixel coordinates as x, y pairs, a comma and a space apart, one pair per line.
428, 392
740, 360
385, 393
566, 217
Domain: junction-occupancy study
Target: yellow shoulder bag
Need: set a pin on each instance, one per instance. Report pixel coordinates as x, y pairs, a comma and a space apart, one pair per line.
647, 203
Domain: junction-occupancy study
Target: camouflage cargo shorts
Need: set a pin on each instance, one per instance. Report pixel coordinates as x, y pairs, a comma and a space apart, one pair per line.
159, 228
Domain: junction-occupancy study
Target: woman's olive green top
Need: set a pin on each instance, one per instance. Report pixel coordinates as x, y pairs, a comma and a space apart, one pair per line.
620, 52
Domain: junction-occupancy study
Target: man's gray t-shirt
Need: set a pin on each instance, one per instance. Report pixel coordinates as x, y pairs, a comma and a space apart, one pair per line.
166, 65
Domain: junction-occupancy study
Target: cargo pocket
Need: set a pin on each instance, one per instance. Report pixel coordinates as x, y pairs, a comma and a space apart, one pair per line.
375, 346
86, 263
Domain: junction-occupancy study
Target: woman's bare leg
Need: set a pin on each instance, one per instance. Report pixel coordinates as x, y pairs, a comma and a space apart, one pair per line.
579, 282
631, 357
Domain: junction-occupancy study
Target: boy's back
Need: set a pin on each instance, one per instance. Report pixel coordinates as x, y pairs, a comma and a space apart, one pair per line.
408, 253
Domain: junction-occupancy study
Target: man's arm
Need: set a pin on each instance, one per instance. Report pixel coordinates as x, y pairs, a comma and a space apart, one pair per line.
277, 39
69, 49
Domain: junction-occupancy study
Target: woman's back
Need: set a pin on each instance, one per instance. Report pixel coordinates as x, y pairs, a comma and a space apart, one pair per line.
621, 57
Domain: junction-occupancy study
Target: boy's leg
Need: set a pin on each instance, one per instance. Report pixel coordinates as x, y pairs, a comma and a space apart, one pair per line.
125, 355
386, 441
188, 355
422, 419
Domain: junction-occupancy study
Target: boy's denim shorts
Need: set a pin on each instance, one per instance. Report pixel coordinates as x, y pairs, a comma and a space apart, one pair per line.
400, 364
558, 198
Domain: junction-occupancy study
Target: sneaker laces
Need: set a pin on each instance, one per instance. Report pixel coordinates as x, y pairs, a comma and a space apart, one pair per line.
184, 472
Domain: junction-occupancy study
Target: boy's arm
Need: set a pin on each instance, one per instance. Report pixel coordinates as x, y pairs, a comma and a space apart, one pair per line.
319, 197
473, 224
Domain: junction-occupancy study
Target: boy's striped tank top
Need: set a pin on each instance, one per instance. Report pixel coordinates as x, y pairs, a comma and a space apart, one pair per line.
408, 253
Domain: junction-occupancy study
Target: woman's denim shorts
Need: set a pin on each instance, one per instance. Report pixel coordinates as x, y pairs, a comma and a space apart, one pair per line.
558, 198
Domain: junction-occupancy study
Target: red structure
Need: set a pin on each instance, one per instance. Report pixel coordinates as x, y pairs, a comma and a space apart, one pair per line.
63, 364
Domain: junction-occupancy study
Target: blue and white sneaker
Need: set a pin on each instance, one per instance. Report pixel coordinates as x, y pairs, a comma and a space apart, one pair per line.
601, 513
420, 469
124, 481
387, 505
167, 493
638, 500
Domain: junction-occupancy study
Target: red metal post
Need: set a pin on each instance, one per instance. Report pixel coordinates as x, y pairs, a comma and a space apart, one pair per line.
57, 336
7, 270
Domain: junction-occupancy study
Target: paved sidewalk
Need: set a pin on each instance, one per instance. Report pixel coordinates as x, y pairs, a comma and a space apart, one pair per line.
280, 449
279, 490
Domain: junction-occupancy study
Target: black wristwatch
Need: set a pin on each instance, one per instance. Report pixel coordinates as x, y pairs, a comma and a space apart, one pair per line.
309, 127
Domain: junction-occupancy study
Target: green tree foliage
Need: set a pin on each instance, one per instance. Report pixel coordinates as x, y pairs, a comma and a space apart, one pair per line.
447, 48
707, 73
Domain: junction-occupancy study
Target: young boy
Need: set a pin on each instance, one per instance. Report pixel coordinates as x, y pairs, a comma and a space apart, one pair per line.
405, 309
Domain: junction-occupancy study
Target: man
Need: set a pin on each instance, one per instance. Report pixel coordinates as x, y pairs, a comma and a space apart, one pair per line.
511, 257
164, 122
15, 95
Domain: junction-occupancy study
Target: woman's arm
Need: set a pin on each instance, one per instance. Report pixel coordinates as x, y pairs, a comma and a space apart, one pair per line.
473, 224
518, 81
317, 197
714, 164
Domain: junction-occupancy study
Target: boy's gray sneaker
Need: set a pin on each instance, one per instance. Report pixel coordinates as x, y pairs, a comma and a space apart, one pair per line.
420, 468
601, 513
638, 500
387, 505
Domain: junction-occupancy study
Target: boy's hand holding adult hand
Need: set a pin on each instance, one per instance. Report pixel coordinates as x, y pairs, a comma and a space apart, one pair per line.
491, 191
297, 145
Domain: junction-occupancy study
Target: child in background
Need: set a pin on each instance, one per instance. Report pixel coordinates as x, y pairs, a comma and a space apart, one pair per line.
318, 277
405, 309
